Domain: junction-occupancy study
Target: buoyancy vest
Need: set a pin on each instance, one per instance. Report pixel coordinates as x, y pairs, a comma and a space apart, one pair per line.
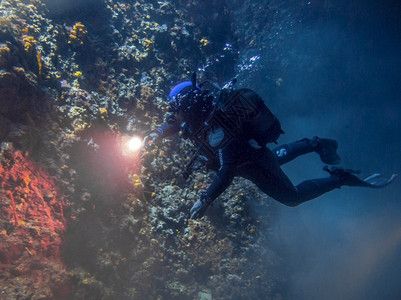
248, 111
242, 115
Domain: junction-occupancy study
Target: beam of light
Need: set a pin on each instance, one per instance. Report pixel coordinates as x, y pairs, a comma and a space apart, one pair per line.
134, 144
131, 145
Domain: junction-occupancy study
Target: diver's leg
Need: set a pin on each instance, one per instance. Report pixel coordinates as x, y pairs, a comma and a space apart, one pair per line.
326, 148
268, 176
310, 189
287, 152
266, 173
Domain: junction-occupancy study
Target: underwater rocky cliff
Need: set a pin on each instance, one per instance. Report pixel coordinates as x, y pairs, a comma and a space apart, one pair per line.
79, 220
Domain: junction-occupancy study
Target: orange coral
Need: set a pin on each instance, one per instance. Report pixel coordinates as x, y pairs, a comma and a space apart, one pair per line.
38, 57
29, 42
78, 34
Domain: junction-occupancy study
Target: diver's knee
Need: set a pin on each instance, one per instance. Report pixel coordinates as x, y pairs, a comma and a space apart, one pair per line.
289, 200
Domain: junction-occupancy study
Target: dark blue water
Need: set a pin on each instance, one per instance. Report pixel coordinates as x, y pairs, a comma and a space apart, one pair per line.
335, 71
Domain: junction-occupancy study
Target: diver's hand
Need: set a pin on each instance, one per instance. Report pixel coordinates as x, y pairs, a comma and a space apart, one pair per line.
200, 207
150, 139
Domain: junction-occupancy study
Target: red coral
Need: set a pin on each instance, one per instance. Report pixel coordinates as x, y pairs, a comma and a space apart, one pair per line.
32, 226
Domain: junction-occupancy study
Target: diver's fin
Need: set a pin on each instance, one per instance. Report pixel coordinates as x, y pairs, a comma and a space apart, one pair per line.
348, 177
378, 181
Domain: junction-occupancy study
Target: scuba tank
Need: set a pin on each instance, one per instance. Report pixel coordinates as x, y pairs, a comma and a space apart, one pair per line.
242, 114
248, 113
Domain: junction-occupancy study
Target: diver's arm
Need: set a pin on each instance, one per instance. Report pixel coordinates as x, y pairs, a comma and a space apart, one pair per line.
222, 179
224, 176
168, 128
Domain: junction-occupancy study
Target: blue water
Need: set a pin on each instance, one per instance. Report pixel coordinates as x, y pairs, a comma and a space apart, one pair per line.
338, 76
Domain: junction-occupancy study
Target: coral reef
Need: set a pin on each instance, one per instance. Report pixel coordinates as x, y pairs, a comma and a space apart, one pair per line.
85, 221
32, 230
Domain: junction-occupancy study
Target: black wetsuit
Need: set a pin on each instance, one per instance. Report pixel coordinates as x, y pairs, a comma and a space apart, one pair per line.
261, 166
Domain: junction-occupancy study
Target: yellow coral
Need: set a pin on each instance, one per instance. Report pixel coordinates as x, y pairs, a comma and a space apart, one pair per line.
148, 44
78, 74
103, 110
19, 70
25, 30
39, 63
75, 111
136, 180
29, 42
204, 41
4, 49
78, 34
80, 126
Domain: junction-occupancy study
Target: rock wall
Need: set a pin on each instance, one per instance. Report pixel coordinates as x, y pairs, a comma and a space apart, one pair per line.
77, 78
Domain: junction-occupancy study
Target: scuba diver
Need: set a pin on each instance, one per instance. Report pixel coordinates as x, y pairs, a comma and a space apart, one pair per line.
231, 129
